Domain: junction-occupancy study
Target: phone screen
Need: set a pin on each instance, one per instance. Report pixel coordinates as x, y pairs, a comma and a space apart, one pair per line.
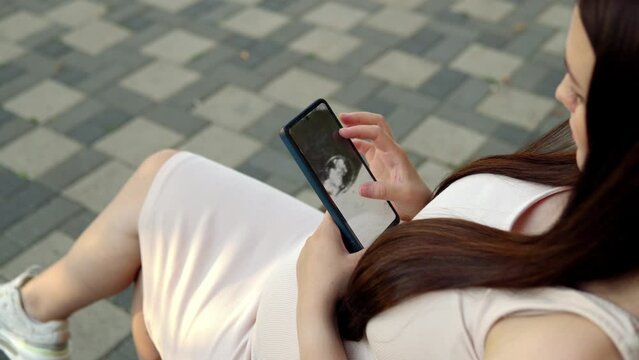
341, 170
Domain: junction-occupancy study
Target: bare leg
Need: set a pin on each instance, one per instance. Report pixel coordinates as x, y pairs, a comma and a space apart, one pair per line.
143, 344
103, 261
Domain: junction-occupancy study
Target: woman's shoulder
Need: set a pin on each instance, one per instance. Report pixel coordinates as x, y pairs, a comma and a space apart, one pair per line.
553, 336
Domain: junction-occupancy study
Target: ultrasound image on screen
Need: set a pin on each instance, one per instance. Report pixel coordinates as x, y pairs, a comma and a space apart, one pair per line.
340, 170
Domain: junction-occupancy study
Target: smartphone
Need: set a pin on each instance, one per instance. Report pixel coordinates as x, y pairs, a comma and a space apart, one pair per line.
335, 170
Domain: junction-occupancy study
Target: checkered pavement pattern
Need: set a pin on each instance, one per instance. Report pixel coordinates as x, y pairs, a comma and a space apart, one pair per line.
88, 89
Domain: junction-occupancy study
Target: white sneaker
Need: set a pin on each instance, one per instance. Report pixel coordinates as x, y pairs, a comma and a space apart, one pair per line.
22, 338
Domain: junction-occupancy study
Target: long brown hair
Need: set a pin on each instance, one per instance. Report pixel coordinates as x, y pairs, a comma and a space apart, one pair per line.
595, 237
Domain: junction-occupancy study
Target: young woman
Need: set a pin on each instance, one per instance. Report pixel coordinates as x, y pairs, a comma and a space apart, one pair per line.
527, 256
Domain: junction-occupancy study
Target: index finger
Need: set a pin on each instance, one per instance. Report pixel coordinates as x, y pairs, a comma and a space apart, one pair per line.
365, 118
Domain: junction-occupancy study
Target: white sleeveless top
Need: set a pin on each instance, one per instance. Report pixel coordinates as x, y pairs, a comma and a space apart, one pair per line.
448, 324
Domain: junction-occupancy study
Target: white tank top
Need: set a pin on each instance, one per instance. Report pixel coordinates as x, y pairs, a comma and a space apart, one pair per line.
448, 324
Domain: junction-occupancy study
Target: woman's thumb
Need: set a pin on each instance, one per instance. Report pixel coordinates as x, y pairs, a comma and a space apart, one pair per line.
375, 190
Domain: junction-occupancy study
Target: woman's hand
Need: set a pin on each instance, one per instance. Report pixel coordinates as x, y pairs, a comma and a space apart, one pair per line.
323, 269
397, 179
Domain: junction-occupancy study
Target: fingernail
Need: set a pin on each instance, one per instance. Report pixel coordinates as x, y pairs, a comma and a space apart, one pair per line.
364, 190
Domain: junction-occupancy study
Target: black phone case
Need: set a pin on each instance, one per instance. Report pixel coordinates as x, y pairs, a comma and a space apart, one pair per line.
351, 242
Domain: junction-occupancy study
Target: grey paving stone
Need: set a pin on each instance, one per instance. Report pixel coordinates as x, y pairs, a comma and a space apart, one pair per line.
375, 37
289, 32
276, 163
9, 72
44, 101
125, 350
421, 41
175, 118
9, 251
10, 182
12, 129
528, 76
21, 25
548, 84
23, 202
447, 49
404, 97
17, 85
124, 100
549, 60
70, 76
468, 118
469, 93
137, 21
40, 222
76, 224
279, 63
529, 41
289, 186
53, 49
199, 9
240, 41
494, 40
208, 61
300, 7
253, 172
443, 83
493, 147
72, 169
36, 64
5, 116
123, 299
77, 115
338, 72
511, 134
99, 125
377, 105
357, 89
224, 11
269, 125
276, 5
260, 52
404, 120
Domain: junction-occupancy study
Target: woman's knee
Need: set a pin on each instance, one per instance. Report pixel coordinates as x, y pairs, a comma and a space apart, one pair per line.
152, 164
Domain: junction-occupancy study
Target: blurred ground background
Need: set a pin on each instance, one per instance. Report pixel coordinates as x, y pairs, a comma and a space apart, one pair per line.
88, 89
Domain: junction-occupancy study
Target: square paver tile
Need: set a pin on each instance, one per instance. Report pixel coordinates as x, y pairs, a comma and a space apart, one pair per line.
399, 22
98, 188
37, 151
178, 46
517, 107
21, 25
335, 15
44, 101
433, 173
9, 51
309, 197
325, 44
556, 45
159, 80
224, 146
484, 62
401, 68
405, 4
147, 136
172, 6
233, 107
487, 10
95, 36
556, 16
298, 88
76, 13
255, 22
97, 328
443, 140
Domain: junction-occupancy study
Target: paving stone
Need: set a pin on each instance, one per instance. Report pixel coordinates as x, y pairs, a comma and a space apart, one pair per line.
286, 185
516, 107
263, 22
399, 22
358, 88
53, 49
469, 93
375, 37
12, 129
37, 151
209, 60
487, 10
325, 44
178, 46
404, 120
468, 118
40, 222
403, 69
484, 62
221, 145
97, 328
9, 72
511, 134
44, 101
528, 76
9, 51
124, 298
70, 76
548, 84
137, 21
335, 15
557, 16
309, 197
37, 65
433, 172
233, 107
21, 25
95, 37
339, 71
274, 5
171, 6
421, 41
493, 40
404, 97
98, 188
72, 169
23, 202
77, 115
253, 172
176, 119
18, 85
75, 225
443, 83
10, 182
76, 13
125, 350
377, 105
276, 162
446, 49
99, 125
548, 60
147, 136
493, 147
556, 45
103, 77
159, 80
259, 53
427, 140
291, 88
269, 125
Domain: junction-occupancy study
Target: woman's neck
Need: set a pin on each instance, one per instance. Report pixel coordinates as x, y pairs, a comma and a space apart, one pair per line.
624, 291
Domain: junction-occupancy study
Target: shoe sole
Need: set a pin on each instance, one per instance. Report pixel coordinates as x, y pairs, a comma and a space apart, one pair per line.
17, 349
